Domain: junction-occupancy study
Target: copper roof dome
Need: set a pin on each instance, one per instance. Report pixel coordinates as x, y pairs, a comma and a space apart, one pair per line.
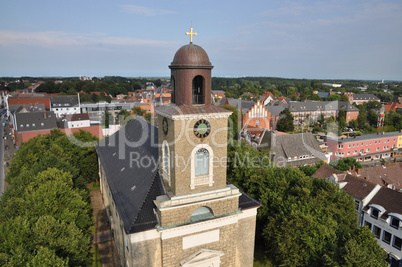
191, 55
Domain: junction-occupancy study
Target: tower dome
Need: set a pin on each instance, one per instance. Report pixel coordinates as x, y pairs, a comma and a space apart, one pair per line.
191, 55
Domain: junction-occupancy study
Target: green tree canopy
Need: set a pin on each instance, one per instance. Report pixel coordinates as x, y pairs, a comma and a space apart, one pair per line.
285, 122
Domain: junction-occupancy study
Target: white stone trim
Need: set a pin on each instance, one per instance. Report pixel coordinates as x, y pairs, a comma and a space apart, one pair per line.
144, 236
200, 239
165, 203
182, 117
198, 227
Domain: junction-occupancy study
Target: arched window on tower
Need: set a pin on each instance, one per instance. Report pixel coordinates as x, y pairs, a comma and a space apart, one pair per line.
199, 90
201, 214
201, 166
165, 161
201, 162
172, 97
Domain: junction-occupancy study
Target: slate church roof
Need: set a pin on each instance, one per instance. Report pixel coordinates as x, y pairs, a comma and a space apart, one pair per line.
130, 161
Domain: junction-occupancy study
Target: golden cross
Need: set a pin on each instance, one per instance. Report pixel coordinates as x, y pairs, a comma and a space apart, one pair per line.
191, 33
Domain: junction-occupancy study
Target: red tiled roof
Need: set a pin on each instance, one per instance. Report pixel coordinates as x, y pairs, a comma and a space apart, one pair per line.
25, 136
325, 171
388, 175
30, 101
95, 130
77, 117
357, 187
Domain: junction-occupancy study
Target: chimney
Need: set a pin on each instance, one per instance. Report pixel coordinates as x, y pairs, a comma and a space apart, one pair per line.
347, 135
44, 114
358, 171
378, 133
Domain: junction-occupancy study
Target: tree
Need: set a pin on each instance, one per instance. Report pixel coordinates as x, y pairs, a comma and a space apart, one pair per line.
344, 98
285, 122
341, 119
334, 97
302, 221
233, 122
138, 111
107, 118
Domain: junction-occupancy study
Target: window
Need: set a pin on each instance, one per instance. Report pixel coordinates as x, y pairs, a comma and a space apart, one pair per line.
366, 223
395, 222
340, 146
374, 213
33, 124
348, 153
387, 237
201, 167
41, 124
378, 148
22, 126
377, 231
201, 162
349, 146
357, 145
367, 149
362, 144
165, 161
397, 243
27, 125
201, 214
357, 204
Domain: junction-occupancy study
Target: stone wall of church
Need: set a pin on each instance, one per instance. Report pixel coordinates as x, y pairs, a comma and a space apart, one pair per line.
182, 215
173, 252
146, 253
245, 241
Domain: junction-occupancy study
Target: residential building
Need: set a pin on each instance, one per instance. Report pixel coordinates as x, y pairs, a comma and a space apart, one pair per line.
218, 95
77, 120
383, 216
312, 110
366, 147
292, 149
31, 124
359, 99
65, 105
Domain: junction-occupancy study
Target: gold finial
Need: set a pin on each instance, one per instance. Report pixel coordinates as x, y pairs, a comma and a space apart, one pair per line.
191, 33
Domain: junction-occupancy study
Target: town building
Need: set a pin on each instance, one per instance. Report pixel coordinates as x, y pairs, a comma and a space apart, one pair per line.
366, 147
287, 149
31, 124
312, 110
77, 120
164, 213
65, 105
257, 116
383, 216
377, 208
359, 99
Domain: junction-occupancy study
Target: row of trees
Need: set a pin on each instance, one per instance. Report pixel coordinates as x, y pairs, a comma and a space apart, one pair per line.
302, 221
46, 213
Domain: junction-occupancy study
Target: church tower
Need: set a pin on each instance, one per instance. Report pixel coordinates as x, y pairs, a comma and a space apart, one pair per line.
203, 221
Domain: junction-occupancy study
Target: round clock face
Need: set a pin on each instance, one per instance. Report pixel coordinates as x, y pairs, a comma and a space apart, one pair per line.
202, 128
165, 126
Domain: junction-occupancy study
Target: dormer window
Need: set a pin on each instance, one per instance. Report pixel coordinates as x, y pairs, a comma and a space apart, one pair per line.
395, 222
375, 213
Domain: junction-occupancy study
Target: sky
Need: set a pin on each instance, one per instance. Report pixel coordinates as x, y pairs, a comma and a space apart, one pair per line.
327, 39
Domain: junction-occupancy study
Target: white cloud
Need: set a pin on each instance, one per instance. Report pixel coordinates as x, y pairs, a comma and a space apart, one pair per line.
141, 10
55, 39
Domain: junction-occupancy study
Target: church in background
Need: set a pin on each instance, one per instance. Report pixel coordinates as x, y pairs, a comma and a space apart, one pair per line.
165, 188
